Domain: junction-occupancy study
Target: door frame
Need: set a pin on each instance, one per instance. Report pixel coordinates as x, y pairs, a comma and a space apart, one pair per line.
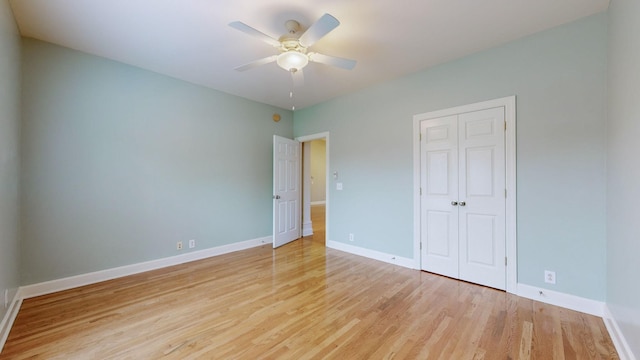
509, 104
319, 136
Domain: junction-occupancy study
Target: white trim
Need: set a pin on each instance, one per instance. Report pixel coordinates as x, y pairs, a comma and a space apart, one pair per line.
318, 136
619, 341
511, 208
372, 254
52, 286
9, 318
509, 103
556, 298
321, 202
307, 228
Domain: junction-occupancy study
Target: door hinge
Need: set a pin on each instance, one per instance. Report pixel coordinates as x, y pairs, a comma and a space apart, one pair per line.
505, 261
505, 126
505, 193
420, 245
420, 191
421, 136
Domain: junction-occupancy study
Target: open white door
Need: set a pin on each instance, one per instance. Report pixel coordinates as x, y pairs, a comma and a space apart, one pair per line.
286, 190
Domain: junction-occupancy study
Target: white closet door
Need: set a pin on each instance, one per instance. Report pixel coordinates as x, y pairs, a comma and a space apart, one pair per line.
439, 217
482, 197
462, 160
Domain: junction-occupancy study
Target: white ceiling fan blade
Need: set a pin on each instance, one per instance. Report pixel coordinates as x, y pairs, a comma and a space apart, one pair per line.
315, 32
257, 63
255, 33
347, 64
298, 78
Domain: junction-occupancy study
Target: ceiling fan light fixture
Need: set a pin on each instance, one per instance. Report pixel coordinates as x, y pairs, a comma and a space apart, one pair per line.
292, 60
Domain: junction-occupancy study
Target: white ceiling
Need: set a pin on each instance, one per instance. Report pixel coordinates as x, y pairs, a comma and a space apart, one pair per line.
191, 39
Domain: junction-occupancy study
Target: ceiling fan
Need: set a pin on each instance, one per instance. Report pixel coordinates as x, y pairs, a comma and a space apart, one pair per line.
293, 47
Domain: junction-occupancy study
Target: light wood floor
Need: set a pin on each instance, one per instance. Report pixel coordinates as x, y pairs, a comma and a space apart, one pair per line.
301, 301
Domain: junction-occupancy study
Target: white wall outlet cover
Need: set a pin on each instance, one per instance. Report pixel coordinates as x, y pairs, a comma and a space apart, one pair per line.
338, 186
550, 277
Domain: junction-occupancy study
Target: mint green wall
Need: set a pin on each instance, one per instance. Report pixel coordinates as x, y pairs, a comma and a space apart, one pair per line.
559, 79
121, 163
9, 154
623, 190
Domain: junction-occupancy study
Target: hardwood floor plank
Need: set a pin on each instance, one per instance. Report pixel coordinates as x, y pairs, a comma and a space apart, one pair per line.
301, 301
525, 341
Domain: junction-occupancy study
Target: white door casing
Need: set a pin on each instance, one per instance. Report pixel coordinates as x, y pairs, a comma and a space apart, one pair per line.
321, 136
479, 259
286, 190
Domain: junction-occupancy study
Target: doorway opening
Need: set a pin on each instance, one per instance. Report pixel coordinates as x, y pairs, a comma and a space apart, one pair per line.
315, 194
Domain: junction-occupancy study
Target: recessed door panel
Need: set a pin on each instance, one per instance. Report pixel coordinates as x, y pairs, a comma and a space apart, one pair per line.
282, 218
292, 213
282, 175
439, 234
292, 177
479, 127
438, 133
480, 171
481, 239
438, 172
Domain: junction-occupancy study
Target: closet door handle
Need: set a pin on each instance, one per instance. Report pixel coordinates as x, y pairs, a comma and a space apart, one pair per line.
454, 203
462, 203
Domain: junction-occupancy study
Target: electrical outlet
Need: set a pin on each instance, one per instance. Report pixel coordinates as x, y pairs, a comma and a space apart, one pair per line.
351, 237
192, 243
179, 245
550, 277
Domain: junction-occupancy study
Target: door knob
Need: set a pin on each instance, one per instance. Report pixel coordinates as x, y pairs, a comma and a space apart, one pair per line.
454, 203
462, 203
277, 197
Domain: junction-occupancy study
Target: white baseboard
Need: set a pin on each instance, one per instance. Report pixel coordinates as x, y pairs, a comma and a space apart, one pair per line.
568, 301
108, 274
372, 254
307, 229
622, 346
9, 318
322, 202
